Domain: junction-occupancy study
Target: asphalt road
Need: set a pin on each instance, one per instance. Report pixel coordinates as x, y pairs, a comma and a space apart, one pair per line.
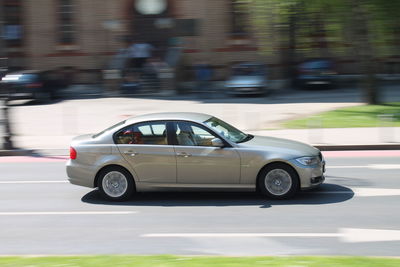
356, 212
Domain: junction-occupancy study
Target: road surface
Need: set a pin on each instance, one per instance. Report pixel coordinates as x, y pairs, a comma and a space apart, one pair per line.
356, 212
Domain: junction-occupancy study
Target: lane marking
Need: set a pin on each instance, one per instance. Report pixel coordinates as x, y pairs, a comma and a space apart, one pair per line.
244, 235
35, 182
354, 235
361, 153
384, 166
357, 191
345, 235
369, 166
67, 213
363, 192
376, 192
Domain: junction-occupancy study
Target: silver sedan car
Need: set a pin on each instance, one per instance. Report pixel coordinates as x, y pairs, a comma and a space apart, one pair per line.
190, 151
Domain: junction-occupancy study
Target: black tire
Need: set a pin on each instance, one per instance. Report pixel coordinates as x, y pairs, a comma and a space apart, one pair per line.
124, 185
282, 181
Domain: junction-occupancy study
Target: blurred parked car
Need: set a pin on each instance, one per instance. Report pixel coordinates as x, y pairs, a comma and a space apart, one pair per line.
192, 151
30, 84
316, 73
247, 78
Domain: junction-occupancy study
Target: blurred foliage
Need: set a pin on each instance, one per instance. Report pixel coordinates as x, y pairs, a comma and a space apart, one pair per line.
332, 19
387, 115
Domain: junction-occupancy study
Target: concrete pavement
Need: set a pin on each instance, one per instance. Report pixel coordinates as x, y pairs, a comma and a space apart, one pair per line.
51, 127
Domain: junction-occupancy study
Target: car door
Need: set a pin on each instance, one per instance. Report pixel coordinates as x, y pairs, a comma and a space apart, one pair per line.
198, 161
145, 147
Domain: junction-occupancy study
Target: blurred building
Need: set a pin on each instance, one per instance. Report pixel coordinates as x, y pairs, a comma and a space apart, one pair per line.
84, 34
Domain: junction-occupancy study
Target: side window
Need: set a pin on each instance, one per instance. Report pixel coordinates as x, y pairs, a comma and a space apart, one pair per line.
147, 133
190, 134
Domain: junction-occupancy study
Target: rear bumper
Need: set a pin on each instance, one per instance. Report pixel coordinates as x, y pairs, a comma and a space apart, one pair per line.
79, 174
246, 90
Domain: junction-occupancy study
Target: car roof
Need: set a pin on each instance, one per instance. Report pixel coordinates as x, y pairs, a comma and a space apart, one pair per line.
248, 64
189, 116
21, 72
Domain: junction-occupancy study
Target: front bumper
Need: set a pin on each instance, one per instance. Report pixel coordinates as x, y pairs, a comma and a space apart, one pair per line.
245, 90
310, 176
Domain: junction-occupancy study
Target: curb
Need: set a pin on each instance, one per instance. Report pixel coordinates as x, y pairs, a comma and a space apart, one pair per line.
395, 146
16, 152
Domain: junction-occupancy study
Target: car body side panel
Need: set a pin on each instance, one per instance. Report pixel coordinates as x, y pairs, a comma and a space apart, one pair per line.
90, 159
208, 165
252, 162
151, 163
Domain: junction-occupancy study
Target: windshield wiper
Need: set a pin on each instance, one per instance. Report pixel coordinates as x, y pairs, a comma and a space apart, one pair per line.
247, 138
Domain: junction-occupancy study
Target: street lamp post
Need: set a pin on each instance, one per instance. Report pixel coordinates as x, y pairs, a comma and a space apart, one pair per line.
5, 129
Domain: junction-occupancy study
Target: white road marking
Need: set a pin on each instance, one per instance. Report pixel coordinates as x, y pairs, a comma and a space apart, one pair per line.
66, 213
359, 192
376, 192
369, 166
35, 182
346, 235
384, 166
244, 235
363, 192
344, 167
353, 235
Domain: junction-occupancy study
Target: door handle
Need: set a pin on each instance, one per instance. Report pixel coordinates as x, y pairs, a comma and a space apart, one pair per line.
183, 154
131, 153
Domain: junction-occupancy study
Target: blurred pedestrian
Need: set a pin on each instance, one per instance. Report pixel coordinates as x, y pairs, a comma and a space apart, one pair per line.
204, 75
140, 52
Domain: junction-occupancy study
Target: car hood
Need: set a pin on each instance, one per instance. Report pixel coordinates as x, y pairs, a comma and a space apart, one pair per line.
281, 145
246, 80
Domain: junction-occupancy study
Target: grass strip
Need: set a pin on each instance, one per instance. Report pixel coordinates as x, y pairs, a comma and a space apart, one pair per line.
385, 115
198, 261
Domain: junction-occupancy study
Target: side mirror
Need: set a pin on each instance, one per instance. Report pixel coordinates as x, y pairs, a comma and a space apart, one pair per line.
217, 142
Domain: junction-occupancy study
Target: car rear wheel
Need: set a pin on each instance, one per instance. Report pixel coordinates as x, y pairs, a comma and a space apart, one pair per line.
278, 181
115, 184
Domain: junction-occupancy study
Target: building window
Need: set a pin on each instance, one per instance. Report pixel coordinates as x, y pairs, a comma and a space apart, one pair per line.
12, 30
66, 14
240, 16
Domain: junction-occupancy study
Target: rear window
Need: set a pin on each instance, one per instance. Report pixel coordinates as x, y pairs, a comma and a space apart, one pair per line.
319, 64
109, 129
21, 78
248, 70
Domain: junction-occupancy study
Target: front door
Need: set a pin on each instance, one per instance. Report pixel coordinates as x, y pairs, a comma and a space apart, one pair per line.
198, 162
145, 147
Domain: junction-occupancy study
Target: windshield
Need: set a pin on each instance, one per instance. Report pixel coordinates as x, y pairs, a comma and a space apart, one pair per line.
226, 130
108, 129
248, 70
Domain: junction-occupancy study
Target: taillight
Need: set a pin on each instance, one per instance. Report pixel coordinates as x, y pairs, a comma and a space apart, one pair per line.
34, 85
72, 153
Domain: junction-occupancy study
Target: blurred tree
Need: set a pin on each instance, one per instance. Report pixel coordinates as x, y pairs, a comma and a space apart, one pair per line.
363, 30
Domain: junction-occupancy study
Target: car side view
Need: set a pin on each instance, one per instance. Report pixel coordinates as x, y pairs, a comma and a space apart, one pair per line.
190, 151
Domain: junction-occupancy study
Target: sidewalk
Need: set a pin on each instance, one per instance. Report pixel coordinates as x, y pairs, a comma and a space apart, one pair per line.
50, 128
325, 139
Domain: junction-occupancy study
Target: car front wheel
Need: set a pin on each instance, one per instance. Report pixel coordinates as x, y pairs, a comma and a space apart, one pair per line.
278, 181
115, 184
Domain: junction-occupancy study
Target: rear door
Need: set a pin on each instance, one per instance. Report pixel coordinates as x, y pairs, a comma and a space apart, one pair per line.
145, 146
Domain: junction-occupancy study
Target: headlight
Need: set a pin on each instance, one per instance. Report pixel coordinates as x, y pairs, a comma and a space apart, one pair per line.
308, 161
